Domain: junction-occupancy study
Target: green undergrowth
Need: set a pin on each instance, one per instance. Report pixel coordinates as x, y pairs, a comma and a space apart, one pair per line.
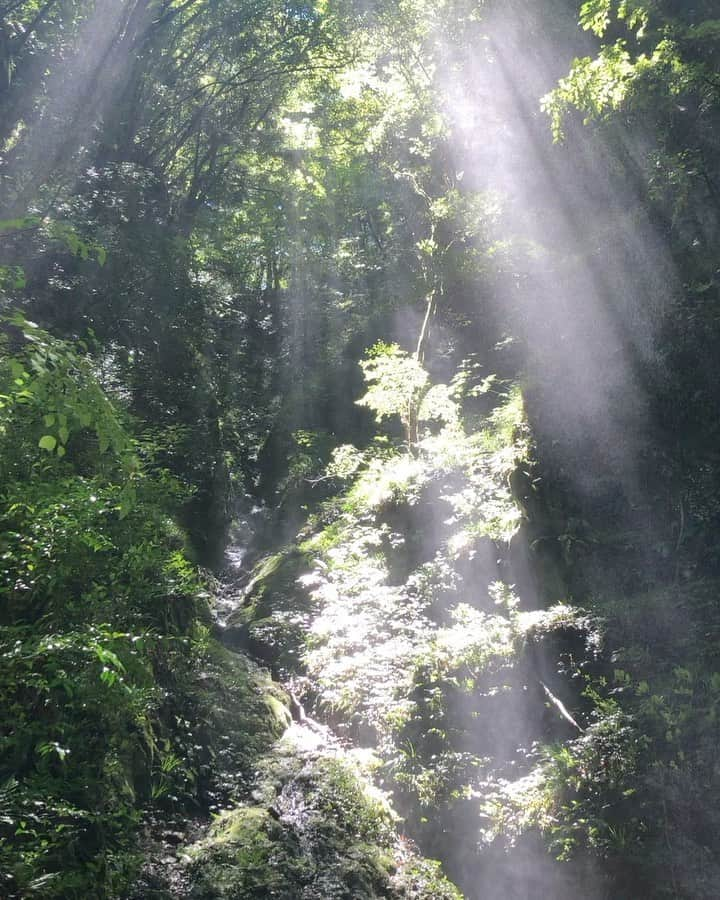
418, 643
639, 787
666, 674
177, 733
115, 702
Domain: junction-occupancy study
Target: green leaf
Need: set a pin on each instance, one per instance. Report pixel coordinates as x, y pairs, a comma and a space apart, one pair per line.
9, 225
47, 442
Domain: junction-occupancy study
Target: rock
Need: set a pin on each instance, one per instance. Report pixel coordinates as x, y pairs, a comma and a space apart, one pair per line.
173, 837
319, 831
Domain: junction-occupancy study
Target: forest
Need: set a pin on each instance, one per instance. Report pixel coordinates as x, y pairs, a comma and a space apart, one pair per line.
359, 449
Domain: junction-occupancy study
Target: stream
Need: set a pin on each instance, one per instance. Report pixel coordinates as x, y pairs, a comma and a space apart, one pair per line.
280, 785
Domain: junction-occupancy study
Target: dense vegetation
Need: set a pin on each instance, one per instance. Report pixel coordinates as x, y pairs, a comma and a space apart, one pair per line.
359, 481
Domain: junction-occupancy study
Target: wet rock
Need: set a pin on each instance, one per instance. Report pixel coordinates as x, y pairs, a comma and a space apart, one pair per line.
319, 830
271, 619
173, 837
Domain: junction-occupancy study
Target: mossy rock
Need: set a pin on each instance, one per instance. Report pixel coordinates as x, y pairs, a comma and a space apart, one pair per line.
243, 712
272, 622
318, 830
273, 579
248, 856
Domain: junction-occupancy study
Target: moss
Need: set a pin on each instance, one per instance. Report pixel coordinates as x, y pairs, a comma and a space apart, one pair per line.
273, 579
272, 621
319, 831
244, 857
279, 712
243, 712
325, 539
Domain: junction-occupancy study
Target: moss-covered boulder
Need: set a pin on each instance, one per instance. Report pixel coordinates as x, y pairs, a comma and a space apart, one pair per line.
243, 711
273, 618
317, 830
